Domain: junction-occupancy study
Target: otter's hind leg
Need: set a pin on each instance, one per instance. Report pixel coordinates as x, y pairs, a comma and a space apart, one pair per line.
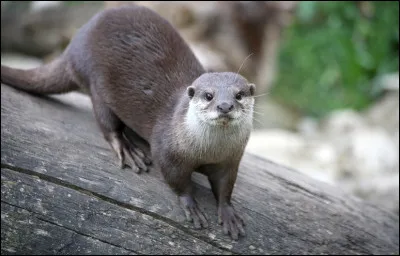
112, 127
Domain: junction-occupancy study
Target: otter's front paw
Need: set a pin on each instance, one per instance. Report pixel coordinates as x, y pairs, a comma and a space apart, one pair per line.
193, 212
231, 222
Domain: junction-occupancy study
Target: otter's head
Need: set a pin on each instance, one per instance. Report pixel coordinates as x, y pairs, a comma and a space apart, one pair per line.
221, 99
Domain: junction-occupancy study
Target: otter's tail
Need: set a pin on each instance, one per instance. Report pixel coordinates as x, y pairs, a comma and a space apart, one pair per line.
51, 78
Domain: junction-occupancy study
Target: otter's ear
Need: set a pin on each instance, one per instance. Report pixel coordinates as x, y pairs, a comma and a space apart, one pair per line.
252, 88
190, 91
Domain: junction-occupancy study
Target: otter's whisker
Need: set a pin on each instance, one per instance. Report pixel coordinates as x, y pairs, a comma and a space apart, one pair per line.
258, 108
255, 96
258, 113
258, 121
241, 66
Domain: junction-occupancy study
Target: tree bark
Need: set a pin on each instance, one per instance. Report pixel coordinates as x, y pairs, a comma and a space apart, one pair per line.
63, 193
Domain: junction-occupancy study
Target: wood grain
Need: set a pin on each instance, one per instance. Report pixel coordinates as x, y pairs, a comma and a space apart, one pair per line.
63, 193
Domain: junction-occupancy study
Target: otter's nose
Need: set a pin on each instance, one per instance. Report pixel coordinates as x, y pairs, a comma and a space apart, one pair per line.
225, 107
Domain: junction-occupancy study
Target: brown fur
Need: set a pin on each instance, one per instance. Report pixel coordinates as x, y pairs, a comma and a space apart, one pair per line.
137, 68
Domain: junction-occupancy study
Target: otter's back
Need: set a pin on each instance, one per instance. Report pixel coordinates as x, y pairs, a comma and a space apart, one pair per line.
136, 61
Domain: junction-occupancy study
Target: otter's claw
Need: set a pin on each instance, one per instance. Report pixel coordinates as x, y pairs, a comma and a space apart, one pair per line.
193, 213
231, 222
129, 154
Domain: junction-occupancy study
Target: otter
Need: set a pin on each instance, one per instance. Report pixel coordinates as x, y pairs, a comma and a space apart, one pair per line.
141, 74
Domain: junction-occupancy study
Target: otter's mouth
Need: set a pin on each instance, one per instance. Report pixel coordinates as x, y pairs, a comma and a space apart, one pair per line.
223, 119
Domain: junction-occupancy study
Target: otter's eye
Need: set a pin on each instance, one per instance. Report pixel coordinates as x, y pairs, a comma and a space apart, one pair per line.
209, 96
239, 96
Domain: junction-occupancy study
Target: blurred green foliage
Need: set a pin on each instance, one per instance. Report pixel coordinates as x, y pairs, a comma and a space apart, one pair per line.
332, 53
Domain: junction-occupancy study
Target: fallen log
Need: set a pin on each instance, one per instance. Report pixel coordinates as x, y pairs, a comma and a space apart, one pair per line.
63, 193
